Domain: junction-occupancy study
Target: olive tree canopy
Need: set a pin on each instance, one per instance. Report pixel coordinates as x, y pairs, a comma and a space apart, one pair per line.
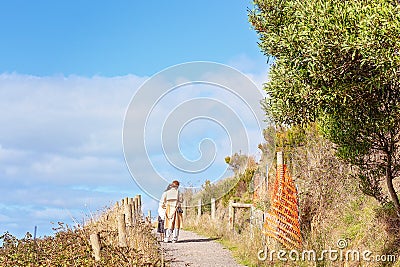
337, 63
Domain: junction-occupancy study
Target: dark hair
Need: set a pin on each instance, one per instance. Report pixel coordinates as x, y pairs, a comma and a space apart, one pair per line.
175, 183
168, 187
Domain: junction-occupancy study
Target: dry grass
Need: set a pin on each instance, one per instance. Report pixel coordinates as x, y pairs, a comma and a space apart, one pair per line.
360, 222
71, 246
332, 208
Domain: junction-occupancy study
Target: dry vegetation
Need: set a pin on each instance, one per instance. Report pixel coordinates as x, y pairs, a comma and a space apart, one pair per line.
71, 246
332, 208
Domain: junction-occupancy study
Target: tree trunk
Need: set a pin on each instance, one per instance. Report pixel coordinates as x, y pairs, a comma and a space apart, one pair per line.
392, 191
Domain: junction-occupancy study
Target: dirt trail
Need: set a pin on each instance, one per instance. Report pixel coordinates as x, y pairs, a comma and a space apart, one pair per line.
197, 251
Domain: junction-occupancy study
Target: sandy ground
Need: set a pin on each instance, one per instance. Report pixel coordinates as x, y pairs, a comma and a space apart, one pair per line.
197, 251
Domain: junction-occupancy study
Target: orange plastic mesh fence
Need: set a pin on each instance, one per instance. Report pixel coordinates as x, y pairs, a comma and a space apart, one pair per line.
282, 221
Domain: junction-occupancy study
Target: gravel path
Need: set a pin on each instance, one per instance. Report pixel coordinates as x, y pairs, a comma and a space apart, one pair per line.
197, 251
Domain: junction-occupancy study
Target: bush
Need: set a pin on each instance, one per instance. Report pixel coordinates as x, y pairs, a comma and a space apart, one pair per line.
71, 247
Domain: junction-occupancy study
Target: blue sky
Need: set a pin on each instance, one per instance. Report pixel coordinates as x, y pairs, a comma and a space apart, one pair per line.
124, 37
68, 70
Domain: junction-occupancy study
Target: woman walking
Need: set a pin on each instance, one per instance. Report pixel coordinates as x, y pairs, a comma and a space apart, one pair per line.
161, 215
172, 201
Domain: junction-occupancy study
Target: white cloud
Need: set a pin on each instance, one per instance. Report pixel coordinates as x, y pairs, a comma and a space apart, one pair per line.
52, 113
59, 132
61, 145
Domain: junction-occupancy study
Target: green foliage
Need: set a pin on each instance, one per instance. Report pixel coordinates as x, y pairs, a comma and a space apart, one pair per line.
240, 192
211, 190
290, 137
227, 159
326, 53
237, 188
208, 191
269, 146
237, 162
338, 63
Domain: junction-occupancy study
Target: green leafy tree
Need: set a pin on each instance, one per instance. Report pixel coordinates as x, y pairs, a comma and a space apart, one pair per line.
337, 63
237, 162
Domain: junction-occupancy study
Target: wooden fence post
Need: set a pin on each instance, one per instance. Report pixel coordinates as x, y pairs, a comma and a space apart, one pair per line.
128, 213
136, 203
213, 209
279, 158
121, 230
138, 207
149, 216
134, 214
199, 209
95, 242
231, 215
140, 211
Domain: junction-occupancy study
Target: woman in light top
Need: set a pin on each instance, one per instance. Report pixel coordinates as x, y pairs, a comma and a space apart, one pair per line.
172, 202
161, 214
